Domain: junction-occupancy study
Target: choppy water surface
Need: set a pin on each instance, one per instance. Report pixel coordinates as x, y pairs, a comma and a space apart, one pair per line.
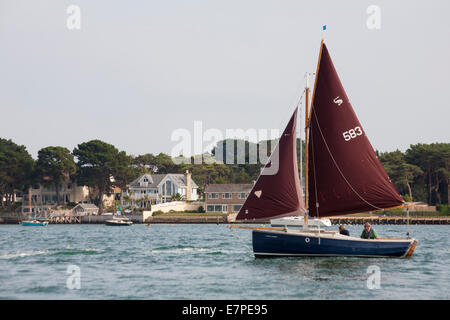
206, 262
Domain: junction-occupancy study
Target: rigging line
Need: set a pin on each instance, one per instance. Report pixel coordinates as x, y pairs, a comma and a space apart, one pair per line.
299, 103
314, 173
337, 166
283, 122
301, 97
315, 180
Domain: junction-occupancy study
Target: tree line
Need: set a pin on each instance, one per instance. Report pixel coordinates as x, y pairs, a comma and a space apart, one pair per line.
97, 163
422, 173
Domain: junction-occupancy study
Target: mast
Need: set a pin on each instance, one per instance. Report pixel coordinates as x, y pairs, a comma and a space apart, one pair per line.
307, 121
300, 140
306, 144
29, 201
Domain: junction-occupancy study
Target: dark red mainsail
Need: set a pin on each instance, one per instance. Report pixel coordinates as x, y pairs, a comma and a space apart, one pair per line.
277, 192
345, 175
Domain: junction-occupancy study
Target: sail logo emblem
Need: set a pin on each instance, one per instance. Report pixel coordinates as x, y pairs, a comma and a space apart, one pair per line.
258, 193
338, 101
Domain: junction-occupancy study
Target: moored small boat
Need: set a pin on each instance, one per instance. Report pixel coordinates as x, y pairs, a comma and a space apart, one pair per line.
119, 222
34, 223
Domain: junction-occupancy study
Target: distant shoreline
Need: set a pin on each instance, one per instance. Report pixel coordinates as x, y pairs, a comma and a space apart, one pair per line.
222, 219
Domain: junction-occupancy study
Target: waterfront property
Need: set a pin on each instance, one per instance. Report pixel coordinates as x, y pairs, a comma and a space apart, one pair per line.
160, 188
44, 197
226, 198
84, 209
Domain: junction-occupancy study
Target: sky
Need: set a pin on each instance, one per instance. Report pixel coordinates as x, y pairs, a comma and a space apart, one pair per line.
135, 72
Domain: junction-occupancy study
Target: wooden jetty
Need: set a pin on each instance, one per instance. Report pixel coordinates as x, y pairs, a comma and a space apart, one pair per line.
188, 219
65, 220
223, 219
389, 220
372, 220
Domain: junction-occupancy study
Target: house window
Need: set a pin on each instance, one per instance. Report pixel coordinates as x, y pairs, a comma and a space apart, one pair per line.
217, 208
226, 195
237, 207
168, 187
242, 195
213, 195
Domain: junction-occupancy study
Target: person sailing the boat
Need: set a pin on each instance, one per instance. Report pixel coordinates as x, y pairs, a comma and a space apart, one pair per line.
368, 232
343, 231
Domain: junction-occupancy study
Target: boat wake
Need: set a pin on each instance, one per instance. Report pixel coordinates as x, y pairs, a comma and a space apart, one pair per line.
184, 250
7, 256
66, 251
78, 251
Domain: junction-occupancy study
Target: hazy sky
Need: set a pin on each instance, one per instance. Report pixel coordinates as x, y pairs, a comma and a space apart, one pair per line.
138, 70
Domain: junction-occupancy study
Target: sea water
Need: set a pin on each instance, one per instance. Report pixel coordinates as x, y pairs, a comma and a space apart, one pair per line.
207, 261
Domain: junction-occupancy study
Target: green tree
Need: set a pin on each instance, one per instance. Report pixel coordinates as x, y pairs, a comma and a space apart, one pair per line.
142, 163
54, 166
434, 160
175, 197
98, 165
164, 163
125, 174
401, 173
441, 158
16, 171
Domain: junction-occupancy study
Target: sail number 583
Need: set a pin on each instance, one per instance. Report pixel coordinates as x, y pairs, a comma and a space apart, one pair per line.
352, 133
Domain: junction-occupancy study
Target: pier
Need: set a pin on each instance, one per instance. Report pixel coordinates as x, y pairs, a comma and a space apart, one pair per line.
223, 219
390, 220
65, 220
188, 219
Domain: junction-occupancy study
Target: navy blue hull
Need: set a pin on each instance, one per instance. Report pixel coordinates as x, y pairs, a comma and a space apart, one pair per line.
285, 244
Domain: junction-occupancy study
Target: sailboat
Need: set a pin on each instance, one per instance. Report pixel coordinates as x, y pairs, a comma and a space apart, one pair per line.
343, 176
34, 221
40, 222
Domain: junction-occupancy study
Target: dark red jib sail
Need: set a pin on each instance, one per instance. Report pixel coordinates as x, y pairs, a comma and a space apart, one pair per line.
277, 192
345, 175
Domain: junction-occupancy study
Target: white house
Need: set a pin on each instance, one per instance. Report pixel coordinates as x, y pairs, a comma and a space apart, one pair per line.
84, 209
160, 188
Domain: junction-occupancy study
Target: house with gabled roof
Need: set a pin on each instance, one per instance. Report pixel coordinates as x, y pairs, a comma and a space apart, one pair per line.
160, 188
85, 209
